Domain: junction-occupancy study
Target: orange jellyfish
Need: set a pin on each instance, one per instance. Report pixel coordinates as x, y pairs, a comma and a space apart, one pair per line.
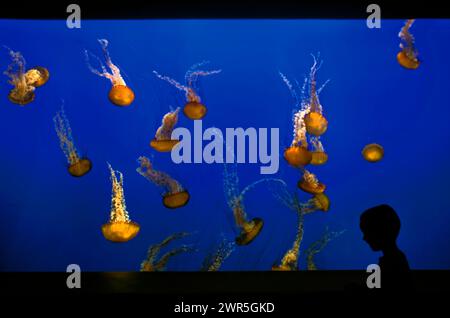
175, 196
120, 94
24, 82
249, 229
153, 264
119, 228
78, 166
316, 124
318, 154
316, 247
373, 152
291, 257
297, 155
162, 141
193, 109
407, 57
290, 260
310, 184
214, 261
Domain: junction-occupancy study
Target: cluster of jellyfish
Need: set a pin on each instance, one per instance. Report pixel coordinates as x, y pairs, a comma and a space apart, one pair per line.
24, 81
309, 124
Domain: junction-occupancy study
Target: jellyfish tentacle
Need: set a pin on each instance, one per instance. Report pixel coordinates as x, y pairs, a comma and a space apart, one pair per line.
214, 261
168, 123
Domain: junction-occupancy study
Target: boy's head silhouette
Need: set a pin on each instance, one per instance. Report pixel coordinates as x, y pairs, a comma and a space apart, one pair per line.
380, 226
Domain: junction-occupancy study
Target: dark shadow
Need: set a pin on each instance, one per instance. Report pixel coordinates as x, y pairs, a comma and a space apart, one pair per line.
381, 227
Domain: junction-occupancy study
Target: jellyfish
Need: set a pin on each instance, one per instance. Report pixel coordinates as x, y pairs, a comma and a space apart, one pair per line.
373, 152
407, 57
162, 141
78, 166
214, 261
291, 258
193, 109
24, 82
175, 196
297, 155
318, 154
152, 264
119, 228
310, 184
120, 94
249, 229
316, 124
316, 247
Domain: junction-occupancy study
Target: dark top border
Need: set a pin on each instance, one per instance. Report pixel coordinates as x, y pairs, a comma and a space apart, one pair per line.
195, 9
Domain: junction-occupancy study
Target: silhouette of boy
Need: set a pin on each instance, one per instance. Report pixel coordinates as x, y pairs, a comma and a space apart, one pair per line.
381, 226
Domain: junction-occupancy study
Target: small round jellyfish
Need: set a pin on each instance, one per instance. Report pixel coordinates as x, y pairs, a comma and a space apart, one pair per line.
407, 57
153, 264
78, 166
373, 152
175, 196
119, 228
320, 201
310, 184
193, 109
24, 82
162, 141
120, 94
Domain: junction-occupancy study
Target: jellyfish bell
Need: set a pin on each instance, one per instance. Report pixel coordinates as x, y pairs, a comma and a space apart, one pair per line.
80, 167
281, 268
121, 95
310, 187
250, 231
37, 76
316, 124
373, 152
22, 98
318, 158
408, 62
322, 201
176, 200
194, 110
163, 145
297, 156
120, 231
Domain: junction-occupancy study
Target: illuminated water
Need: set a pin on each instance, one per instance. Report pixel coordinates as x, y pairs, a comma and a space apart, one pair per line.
49, 219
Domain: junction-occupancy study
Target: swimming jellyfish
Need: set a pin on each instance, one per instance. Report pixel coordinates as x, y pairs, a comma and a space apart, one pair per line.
249, 229
162, 141
175, 196
291, 258
373, 152
318, 154
119, 228
78, 166
193, 109
24, 82
317, 246
120, 94
297, 155
310, 184
316, 124
407, 57
152, 264
214, 261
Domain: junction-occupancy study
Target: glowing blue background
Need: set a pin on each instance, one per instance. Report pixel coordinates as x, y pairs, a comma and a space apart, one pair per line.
49, 219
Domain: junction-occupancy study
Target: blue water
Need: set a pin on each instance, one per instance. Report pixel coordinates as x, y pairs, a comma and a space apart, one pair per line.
50, 219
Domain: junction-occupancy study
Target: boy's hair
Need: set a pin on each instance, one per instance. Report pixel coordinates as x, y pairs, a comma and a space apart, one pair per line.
381, 219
